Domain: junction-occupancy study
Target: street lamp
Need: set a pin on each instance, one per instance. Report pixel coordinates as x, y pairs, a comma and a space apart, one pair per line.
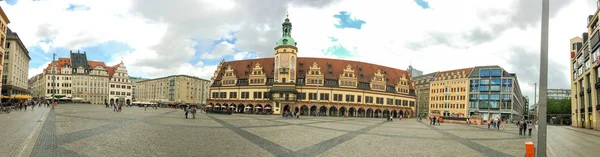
53, 76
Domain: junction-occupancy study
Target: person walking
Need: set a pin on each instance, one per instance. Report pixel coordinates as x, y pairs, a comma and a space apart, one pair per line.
194, 112
530, 127
434, 120
186, 112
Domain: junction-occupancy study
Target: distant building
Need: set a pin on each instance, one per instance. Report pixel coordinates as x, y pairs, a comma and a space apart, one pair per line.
134, 80
174, 88
558, 94
3, 29
414, 72
422, 85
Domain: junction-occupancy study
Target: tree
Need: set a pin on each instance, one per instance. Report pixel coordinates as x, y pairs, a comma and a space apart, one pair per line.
561, 106
59, 96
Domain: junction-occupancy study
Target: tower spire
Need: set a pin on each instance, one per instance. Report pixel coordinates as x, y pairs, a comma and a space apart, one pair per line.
287, 14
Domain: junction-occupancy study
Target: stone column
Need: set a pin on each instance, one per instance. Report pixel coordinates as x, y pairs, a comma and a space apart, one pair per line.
585, 102
594, 95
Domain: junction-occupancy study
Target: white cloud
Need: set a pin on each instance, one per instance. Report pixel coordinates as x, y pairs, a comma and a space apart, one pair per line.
221, 49
37, 70
396, 33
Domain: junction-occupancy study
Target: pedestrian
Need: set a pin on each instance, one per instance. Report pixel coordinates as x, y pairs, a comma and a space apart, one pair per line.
32, 105
439, 120
186, 112
489, 122
434, 118
520, 125
25, 106
145, 107
194, 112
530, 127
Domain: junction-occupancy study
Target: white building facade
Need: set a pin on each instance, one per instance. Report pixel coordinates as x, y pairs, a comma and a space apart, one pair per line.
120, 87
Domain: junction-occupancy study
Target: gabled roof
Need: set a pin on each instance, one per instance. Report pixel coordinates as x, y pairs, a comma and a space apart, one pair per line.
94, 64
111, 70
59, 64
335, 66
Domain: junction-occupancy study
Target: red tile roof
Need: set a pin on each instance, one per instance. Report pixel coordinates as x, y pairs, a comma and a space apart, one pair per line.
59, 64
111, 70
368, 70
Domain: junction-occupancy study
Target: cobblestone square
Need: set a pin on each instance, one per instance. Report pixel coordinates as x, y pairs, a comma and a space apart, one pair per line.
92, 130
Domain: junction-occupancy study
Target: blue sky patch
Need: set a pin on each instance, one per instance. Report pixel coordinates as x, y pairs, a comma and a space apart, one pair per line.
422, 3
346, 21
12, 2
338, 50
101, 52
75, 7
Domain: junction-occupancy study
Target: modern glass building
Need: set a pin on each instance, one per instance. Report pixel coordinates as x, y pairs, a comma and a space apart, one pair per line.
495, 93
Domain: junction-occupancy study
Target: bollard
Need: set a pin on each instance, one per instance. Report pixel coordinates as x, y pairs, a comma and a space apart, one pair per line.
529, 149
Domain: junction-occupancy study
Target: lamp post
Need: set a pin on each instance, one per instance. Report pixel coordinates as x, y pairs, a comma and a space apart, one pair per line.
541, 145
53, 77
534, 99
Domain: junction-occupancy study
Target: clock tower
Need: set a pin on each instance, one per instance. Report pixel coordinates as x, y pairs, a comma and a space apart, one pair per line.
285, 55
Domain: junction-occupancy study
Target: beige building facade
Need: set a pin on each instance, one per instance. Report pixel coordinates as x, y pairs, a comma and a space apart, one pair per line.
3, 28
120, 86
16, 66
422, 85
173, 89
310, 86
76, 79
449, 93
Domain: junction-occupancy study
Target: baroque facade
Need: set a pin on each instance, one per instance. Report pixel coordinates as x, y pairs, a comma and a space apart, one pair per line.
16, 66
310, 86
171, 89
79, 79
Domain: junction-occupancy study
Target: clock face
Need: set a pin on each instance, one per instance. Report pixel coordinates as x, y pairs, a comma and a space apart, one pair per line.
572, 54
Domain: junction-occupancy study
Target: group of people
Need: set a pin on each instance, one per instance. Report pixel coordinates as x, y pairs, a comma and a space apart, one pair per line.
496, 123
435, 120
190, 111
289, 114
525, 125
23, 105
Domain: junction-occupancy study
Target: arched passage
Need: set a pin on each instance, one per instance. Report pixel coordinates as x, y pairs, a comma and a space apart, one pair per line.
128, 102
259, 108
394, 113
323, 111
352, 112
386, 113
378, 113
240, 108
401, 113
342, 112
112, 101
361, 112
249, 109
304, 110
313, 110
370, 113
333, 111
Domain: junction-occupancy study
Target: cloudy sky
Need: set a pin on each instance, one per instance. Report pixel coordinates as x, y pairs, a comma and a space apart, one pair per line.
160, 37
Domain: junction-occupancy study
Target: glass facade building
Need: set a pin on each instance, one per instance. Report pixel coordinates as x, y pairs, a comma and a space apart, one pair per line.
495, 93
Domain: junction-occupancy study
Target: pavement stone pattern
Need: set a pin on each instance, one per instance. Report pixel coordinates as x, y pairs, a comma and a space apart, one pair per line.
16, 127
92, 130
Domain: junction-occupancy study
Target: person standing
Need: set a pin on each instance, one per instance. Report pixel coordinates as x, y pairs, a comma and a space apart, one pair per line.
434, 120
186, 110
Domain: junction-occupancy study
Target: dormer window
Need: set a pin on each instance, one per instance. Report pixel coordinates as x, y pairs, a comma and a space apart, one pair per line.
285, 41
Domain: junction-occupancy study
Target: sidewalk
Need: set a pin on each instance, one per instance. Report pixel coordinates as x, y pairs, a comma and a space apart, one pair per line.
18, 129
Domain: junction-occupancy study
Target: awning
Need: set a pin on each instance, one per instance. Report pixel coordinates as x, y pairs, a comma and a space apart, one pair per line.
208, 106
258, 107
223, 107
266, 108
248, 107
283, 90
231, 106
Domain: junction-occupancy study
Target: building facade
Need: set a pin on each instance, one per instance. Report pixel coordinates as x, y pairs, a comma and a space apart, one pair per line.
16, 66
558, 94
310, 86
176, 88
449, 94
585, 84
422, 85
414, 72
134, 81
77, 78
495, 93
120, 90
3, 28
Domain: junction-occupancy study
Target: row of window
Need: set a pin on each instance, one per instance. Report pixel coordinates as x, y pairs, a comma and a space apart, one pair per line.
448, 89
120, 86
496, 97
60, 85
120, 93
448, 106
490, 72
257, 81
314, 96
56, 91
448, 97
490, 104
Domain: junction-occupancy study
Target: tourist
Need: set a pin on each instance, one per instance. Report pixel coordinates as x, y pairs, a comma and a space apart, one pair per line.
439, 120
489, 123
186, 112
520, 125
434, 118
530, 126
194, 112
24, 105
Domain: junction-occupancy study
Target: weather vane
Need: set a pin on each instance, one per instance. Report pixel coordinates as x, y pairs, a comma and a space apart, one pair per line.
287, 14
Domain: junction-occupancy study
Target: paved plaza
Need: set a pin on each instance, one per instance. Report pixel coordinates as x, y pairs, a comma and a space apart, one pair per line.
92, 130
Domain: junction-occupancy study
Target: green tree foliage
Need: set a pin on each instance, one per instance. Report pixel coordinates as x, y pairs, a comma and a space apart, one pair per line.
59, 96
562, 106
